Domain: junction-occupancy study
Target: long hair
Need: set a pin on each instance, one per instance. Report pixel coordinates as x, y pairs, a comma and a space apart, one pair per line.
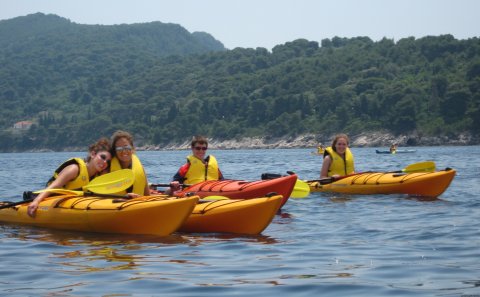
337, 137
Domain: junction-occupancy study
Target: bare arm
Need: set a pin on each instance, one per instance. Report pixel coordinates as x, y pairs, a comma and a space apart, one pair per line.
69, 173
325, 166
146, 190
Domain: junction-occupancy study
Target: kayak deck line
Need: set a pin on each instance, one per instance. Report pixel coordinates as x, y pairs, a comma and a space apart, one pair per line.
428, 184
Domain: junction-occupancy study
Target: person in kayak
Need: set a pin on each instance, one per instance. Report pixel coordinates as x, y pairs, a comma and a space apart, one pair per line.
320, 149
393, 148
338, 159
198, 167
75, 173
124, 157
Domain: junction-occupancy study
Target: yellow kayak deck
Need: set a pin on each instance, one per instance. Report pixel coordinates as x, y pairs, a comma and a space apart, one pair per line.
152, 215
424, 184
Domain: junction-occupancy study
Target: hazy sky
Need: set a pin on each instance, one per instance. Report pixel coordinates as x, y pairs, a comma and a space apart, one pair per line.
266, 23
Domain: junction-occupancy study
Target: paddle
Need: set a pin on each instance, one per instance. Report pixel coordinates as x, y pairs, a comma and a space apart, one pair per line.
111, 183
7, 204
300, 190
106, 184
426, 166
166, 185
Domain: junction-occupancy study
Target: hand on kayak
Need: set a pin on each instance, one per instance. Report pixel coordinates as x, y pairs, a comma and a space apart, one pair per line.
132, 195
32, 208
174, 186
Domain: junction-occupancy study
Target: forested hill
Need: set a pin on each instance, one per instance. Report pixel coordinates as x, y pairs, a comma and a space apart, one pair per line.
78, 82
55, 35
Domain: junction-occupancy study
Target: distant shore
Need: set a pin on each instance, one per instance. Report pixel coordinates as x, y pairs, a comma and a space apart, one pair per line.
375, 139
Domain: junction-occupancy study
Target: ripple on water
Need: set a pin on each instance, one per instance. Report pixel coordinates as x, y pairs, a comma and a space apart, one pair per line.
326, 245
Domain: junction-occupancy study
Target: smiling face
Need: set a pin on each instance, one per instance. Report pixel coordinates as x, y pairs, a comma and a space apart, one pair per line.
100, 160
123, 151
200, 150
341, 145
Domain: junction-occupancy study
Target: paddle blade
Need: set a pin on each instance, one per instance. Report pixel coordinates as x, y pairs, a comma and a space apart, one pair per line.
112, 182
300, 190
427, 166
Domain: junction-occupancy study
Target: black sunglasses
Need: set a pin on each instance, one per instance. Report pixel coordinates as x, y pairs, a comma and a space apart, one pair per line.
103, 157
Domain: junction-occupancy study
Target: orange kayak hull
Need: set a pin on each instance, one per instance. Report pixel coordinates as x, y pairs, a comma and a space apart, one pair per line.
238, 189
423, 184
151, 215
244, 216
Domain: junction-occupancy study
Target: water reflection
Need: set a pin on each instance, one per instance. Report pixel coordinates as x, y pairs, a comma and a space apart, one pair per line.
67, 238
110, 259
324, 244
343, 198
197, 239
106, 252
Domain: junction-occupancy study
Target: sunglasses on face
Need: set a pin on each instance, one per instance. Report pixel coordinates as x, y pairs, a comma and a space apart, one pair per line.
202, 148
125, 148
104, 157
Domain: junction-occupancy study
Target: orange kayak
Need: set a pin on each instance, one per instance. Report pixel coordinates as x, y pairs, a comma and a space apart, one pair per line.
239, 189
425, 184
245, 216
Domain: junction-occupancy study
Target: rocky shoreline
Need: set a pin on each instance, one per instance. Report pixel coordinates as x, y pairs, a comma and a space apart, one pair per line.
371, 139
374, 139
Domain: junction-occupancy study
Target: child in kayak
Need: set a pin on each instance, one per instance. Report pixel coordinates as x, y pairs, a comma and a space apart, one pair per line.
199, 167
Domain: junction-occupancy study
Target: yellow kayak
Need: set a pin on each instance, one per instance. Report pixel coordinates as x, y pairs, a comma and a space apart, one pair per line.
245, 216
152, 215
425, 184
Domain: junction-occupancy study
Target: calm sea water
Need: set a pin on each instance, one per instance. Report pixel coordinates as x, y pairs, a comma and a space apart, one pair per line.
328, 245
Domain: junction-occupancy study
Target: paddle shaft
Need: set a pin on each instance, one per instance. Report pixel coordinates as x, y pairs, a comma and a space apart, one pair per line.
426, 166
12, 204
167, 185
329, 180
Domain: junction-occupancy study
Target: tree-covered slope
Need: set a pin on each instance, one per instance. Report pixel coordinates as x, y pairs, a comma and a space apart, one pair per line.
78, 82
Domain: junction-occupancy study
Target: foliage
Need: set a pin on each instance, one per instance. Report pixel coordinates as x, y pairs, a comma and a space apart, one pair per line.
79, 82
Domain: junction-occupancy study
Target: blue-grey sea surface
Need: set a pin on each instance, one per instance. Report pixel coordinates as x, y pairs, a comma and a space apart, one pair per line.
322, 245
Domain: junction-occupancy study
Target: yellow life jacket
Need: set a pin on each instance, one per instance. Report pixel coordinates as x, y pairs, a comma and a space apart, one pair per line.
140, 180
339, 165
199, 172
82, 178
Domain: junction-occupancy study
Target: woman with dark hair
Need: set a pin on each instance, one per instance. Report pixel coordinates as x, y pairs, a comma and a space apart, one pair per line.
338, 159
124, 157
75, 173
